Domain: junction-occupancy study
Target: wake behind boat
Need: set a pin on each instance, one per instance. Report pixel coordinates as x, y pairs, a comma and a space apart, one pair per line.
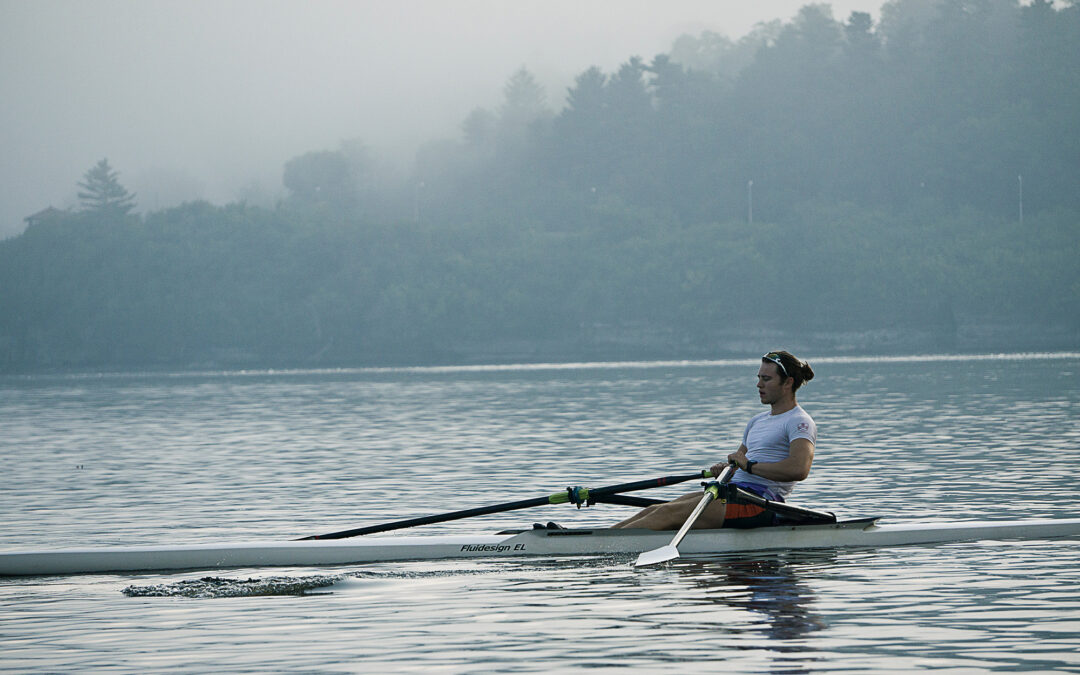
800, 529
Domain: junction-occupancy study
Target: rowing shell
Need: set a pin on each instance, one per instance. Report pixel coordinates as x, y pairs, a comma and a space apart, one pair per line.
570, 542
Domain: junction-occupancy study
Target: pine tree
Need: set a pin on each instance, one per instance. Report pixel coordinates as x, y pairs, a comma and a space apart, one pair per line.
103, 191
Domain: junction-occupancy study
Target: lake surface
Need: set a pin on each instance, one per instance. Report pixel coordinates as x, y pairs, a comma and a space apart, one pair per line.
214, 457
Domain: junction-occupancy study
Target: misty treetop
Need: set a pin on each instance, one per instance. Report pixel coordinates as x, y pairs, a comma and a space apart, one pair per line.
102, 191
882, 164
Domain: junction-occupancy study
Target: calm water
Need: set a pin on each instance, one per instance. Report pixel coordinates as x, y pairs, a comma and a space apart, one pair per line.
126, 459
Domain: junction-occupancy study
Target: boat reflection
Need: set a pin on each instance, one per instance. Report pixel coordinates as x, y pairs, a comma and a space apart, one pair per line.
770, 586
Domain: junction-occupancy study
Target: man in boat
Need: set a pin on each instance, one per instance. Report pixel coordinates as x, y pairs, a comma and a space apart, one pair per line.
776, 452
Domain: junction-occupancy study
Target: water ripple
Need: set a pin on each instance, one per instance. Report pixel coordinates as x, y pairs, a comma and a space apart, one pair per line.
190, 458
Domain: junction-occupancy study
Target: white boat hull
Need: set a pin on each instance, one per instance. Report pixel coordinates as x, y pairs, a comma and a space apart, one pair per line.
575, 542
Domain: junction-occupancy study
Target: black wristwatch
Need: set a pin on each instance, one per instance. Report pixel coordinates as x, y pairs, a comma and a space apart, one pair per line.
750, 466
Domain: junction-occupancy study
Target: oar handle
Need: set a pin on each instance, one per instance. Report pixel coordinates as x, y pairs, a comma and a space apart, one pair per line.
729, 472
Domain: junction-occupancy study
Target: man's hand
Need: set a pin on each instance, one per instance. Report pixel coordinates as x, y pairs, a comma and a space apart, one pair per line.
738, 458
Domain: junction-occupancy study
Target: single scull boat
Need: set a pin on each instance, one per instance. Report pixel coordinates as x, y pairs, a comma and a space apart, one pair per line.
802, 529
569, 542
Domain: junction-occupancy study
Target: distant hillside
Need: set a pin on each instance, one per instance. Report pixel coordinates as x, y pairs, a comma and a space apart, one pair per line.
834, 186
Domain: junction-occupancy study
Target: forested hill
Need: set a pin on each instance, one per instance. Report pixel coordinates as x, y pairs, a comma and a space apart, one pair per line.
834, 185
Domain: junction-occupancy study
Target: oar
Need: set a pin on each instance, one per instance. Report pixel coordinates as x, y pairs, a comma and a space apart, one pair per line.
671, 551
575, 495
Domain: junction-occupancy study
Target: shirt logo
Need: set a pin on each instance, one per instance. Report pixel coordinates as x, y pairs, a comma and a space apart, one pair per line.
803, 426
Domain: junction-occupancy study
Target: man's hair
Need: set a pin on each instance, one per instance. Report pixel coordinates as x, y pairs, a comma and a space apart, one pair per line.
788, 365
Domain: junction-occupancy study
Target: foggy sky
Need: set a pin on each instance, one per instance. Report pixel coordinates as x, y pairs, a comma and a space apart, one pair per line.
208, 98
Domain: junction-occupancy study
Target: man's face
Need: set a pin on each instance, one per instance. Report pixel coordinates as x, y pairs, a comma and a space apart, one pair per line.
770, 383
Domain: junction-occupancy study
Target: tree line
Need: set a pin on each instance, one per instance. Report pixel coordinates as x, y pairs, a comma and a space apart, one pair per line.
944, 103
840, 184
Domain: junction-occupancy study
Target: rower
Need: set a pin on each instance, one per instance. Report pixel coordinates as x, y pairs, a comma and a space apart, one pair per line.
776, 452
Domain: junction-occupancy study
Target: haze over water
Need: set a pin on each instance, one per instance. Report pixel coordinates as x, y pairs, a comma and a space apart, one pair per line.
225, 456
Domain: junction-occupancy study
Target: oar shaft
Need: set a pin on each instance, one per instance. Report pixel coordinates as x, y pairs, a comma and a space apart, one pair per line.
645, 484
671, 551
584, 494
628, 500
437, 518
706, 499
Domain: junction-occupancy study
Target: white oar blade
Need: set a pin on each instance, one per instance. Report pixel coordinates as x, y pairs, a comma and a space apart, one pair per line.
657, 556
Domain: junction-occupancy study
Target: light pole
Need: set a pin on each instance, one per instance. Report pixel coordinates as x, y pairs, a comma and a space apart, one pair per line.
1020, 179
750, 202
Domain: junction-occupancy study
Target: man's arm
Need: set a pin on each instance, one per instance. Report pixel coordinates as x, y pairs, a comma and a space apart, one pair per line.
796, 467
